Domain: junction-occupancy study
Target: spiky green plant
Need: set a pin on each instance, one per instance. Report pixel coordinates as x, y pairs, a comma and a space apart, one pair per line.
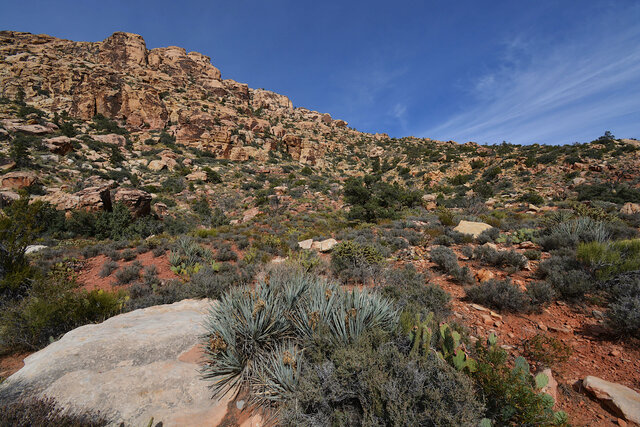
249, 331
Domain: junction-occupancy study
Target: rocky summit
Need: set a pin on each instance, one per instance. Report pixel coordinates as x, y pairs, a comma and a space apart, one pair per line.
180, 249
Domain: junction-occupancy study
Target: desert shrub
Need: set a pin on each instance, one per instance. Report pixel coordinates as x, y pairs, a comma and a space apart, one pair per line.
108, 267
447, 261
159, 251
187, 256
488, 235
618, 193
512, 395
508, 258
28, 412
19, 226
533, 198
410, 292
532, 254
446, 216
353, 261
106, 125
546, 350
54, 305
128, 273
569, 234
255, 335
225, 253
90, 251
129, 255
499, 294
540, 294
611, 258
209, 283
373, 199
623, 312
372, 382
566, 275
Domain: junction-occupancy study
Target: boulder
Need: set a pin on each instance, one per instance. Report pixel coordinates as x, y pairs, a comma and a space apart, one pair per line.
579, 180
7, 165
131, 367
197, 176
619, 398
630, 208
18, 179
156, 165
161, 209
484, 274
59, 145
306, 244
112, 138
429, 197
249, 214
138, 201
472, 228
552, 386
93, 199
31, 249
325, 245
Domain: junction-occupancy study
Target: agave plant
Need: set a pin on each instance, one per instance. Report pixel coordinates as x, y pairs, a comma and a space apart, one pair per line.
255, 336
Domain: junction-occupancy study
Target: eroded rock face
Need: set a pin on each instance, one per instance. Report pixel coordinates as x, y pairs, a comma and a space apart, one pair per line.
155, 89
17, 180
131, 367
138, 201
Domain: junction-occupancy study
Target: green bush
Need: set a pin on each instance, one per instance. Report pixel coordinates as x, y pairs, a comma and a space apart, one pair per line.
373, 383
512, 395
491, 256
500, 295
373, 199
412, 295
611, 258
53, 305
623, 313
353, 261
447, 261
106, 125
567, 276
618, 193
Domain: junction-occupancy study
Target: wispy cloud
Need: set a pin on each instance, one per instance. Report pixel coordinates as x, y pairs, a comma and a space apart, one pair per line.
554, 93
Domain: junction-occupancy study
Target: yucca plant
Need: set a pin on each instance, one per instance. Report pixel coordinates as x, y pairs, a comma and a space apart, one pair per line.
255, 336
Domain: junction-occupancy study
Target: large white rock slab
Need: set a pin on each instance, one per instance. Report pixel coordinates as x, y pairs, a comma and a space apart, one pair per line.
472, 228
131, 367
620, 398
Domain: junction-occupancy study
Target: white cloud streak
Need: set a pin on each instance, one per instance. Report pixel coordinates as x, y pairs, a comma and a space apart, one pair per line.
566, 93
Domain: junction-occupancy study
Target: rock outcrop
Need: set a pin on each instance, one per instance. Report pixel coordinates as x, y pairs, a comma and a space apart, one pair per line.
17, 180
144, 89
619, 398
131, 367
138, 201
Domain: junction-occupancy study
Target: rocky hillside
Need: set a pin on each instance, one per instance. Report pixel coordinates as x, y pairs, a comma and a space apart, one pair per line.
163, 88
132, 178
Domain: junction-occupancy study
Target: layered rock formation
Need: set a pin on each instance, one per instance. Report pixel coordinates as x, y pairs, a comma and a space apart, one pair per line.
163, 88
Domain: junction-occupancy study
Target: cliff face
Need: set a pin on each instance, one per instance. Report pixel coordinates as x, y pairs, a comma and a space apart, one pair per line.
164, 88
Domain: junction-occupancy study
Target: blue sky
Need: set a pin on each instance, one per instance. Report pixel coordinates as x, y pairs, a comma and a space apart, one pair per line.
541, 71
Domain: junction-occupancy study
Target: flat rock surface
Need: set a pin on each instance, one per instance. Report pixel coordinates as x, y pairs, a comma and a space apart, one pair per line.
131, 367
620, 398
472, 228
